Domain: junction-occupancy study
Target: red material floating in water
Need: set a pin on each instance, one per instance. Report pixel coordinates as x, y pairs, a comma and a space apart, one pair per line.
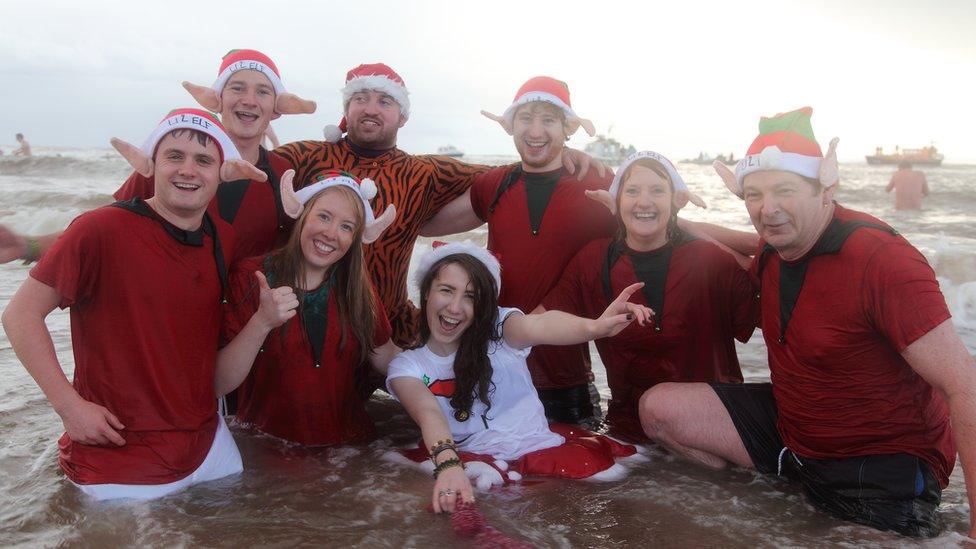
468, 522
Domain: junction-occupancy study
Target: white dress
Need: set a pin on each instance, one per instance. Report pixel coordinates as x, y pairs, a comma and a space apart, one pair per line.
516, 423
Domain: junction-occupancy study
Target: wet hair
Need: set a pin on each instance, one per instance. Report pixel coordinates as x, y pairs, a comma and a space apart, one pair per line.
672, 231
904, 165
472, 368
202, 138
353, 290
19, 136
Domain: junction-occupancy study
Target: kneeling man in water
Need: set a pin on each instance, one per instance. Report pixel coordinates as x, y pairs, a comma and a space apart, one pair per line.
866, 367
144, 281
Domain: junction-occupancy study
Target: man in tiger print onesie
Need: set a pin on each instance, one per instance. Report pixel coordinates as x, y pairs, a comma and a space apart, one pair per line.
376, 105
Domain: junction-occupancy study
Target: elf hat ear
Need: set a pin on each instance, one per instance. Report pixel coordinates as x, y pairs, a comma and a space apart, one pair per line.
505, 124
684, 196
204, 95
289, 103
136, 157
373, 230
728, 177
829, 171
289, 200
235, 168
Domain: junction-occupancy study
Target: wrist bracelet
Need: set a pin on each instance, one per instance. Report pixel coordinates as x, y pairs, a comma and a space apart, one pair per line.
440, 448
447, 463
33, 252
440, 443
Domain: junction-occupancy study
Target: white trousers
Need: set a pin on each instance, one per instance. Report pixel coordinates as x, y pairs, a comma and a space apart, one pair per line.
222, 460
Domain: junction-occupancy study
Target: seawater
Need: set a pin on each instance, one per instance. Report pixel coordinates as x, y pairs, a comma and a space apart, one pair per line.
350, 496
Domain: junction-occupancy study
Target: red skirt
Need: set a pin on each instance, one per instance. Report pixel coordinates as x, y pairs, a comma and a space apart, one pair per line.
583, 455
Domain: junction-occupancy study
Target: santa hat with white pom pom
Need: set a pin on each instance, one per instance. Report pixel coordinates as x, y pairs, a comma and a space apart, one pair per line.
376, 77
294, 202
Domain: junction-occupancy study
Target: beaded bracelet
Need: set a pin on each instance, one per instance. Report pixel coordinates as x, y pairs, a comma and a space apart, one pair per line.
440, 448
447, 463
440, 443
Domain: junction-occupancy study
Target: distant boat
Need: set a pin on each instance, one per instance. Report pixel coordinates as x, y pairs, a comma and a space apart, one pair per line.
450, 150
608, 150
926, 155
707, 160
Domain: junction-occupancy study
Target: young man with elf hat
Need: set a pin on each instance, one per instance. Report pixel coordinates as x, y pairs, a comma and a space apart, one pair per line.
140, 416
248, 93
867, 371
538, 218
376, 104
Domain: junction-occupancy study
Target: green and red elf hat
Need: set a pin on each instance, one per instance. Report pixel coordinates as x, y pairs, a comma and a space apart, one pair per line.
548, 90
785, 142
249, 60
232, 167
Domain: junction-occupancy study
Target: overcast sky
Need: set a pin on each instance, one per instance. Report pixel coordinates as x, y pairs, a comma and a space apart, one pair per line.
678, 78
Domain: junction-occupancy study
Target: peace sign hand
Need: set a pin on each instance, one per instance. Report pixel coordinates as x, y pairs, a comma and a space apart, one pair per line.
621, 313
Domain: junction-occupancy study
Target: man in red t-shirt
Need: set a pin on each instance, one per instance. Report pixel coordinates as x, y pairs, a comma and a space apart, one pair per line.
140, 416
866, 367
538, 219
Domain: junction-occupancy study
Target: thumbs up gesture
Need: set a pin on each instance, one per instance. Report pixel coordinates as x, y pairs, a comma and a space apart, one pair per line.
277, 304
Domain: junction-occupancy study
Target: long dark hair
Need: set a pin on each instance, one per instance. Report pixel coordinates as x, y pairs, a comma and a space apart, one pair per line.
472, 369
353, 290
672, 231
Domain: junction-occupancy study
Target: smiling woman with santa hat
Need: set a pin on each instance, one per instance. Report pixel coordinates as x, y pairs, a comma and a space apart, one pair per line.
303, 318
702, 299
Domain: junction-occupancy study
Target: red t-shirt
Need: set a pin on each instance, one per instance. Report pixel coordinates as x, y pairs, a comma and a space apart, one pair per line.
532, 263
842, 387
145, 322
253, 208
708, 301
285, 395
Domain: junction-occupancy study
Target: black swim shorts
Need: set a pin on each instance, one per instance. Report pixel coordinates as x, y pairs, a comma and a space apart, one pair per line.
579, 404
889, 492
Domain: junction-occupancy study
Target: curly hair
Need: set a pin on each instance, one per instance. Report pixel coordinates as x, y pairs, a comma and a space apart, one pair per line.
472, 368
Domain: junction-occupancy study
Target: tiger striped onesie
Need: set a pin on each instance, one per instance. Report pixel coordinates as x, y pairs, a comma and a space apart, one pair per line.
419, 186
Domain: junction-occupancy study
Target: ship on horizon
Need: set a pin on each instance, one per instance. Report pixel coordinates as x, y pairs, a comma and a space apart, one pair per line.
925, 156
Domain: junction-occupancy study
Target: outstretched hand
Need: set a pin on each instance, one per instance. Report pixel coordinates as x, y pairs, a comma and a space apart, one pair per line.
621, 313
88, 423
451, 487
573, 159
277, 304
12, 245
